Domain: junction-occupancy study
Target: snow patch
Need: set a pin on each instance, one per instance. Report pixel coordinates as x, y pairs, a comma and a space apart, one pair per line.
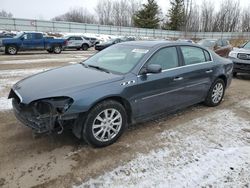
5, 104
207, 151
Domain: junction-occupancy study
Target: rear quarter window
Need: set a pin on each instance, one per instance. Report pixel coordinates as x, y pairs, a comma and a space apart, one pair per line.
193, 55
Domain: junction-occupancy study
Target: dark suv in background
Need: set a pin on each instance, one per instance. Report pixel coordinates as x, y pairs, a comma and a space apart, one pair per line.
220, 46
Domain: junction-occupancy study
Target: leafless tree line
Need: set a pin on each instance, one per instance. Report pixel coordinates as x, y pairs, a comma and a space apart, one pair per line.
81, 15
117, 12
107, 12
229, 17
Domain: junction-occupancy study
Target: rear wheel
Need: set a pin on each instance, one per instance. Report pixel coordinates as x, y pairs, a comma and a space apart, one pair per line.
12, 50
234, 74
57, 49
85, 47
105, 123
216, 93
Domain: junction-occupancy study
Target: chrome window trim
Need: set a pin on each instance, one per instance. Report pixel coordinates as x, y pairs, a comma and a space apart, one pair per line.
176, 68
165, 70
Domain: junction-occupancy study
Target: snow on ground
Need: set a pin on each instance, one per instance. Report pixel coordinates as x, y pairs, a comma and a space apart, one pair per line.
19, 72
5, 104
9, 78
245, 103
210, 151
51, 60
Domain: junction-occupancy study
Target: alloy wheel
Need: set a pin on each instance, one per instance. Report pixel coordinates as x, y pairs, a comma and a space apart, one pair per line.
107, 125
217, 93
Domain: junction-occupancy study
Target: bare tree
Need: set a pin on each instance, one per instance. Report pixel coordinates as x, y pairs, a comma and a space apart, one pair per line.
76, 15
119, 12
192, 17
245, 24
104, 12
207, 16
3, 13
227, 18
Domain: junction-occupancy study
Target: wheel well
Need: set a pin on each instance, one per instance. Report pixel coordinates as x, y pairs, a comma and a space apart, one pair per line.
123, 102
224, 78
85, 44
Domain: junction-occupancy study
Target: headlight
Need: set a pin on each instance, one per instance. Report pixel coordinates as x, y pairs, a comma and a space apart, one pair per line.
233, 54
53, 105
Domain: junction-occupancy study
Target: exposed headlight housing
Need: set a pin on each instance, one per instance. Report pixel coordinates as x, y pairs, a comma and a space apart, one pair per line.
233, 54
55, 105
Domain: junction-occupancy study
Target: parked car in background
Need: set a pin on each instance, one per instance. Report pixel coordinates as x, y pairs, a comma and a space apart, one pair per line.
241, 59
126, 83
186, 40
77, 42
221, 46
93, 41
104, 45
32, 41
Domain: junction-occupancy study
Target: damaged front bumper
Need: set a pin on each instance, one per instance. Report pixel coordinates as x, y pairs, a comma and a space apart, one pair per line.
43, 116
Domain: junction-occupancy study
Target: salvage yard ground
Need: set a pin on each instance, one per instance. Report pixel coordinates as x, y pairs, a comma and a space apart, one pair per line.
196, 147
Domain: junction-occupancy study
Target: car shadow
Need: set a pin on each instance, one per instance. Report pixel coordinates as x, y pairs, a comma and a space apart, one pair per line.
243, 76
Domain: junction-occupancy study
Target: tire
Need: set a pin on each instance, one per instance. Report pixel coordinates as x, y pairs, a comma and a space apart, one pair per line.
57, 49
11, 50
78, 48
234, 74
85, 47
105, 131
216, 93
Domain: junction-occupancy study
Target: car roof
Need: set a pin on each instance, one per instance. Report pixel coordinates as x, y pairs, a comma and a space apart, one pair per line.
148, 44
152, 44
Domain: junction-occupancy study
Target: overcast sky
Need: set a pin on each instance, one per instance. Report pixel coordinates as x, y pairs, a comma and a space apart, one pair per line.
47, 9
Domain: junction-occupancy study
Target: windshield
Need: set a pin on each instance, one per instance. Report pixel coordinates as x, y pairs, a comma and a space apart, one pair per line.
18, 35
207, 43
117, 59
247, 46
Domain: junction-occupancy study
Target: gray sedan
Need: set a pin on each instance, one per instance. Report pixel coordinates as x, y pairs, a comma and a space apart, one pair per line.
126, 83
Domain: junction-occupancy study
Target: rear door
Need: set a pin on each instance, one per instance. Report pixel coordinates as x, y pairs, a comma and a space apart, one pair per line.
156, 93
197, 73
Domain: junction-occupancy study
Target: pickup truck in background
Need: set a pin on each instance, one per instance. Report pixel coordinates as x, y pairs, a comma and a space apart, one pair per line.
33, 41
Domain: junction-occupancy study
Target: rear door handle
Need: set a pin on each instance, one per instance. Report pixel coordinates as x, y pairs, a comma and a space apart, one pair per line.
209, 71
178, 78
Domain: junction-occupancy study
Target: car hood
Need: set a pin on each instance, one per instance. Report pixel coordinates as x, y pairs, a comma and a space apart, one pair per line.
105, 44
241, 50
64, 81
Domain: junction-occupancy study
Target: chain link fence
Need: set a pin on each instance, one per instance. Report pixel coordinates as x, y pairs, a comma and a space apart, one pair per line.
17, 24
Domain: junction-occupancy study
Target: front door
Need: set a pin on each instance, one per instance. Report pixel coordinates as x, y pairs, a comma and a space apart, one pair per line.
157, 93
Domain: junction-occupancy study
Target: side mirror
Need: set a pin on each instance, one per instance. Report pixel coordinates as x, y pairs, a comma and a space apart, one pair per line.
152, 68
22, 38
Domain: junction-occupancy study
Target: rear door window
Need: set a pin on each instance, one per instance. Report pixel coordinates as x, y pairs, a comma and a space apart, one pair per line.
192, 55
78, 38
166, 57
38, 36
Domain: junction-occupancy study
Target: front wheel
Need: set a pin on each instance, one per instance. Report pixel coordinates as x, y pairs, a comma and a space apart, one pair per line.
105, 123
216, 93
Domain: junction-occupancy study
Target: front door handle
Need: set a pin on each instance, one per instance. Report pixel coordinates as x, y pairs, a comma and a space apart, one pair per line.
209, 71
178, 78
